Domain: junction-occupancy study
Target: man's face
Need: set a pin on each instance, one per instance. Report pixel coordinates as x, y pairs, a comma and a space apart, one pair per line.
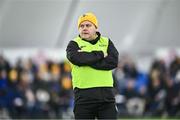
87, 30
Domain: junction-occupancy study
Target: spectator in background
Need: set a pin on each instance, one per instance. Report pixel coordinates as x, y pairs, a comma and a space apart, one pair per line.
156, 93
3, 88
175, 67
172, 100
93, 57
4, 64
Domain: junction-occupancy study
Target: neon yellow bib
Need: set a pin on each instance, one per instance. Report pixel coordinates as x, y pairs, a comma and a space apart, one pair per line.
88, 77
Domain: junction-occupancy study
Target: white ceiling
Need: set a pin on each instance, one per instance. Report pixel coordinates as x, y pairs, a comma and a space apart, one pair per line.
136, 26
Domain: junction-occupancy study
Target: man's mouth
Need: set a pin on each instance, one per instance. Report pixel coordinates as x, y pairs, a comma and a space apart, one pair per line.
85, 33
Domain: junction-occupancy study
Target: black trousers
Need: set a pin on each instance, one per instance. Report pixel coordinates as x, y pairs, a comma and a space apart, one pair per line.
106, 110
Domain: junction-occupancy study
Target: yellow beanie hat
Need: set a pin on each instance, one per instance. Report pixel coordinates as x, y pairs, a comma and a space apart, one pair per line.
89, 17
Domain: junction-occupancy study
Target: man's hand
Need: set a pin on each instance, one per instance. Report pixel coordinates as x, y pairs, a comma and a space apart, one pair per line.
105, 55
80, 50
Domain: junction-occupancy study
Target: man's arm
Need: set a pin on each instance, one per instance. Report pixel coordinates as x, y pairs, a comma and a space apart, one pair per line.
110, 62
81, 58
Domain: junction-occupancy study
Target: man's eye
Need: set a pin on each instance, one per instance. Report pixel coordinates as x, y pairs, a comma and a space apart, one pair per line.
81, 26
88, 25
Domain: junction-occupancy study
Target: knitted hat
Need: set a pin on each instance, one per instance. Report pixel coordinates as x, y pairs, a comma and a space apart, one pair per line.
89, 17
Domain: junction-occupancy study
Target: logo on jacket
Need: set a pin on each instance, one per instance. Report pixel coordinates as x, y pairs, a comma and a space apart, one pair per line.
82, 46
102, 45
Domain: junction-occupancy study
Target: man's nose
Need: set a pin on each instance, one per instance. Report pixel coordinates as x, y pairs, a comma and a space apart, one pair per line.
85, 28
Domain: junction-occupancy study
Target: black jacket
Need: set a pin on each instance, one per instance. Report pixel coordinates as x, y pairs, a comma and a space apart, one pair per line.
94, 59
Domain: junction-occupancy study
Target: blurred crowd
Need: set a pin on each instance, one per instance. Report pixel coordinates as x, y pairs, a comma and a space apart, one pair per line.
43, 89
155, 93
35, 89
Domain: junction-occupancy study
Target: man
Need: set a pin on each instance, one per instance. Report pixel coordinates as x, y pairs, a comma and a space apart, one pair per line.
92, 57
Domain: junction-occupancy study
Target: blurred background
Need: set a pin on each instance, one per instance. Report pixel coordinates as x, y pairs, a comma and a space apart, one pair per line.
35, 79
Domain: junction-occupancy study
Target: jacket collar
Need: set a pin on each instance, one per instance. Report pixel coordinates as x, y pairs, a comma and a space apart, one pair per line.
95, 40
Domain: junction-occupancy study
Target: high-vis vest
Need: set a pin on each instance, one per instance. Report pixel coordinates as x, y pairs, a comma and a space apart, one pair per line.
86, 76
